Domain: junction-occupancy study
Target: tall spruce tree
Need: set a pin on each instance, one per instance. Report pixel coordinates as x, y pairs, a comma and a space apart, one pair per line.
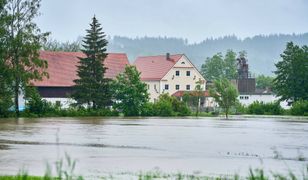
92, 88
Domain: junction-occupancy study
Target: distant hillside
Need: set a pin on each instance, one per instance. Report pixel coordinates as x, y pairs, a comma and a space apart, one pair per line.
263, 51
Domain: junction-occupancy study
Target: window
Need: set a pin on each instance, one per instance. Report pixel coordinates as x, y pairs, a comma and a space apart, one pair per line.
166, 86
241, 97
246, 97
187, 87
148, 86
183, 62
187, 73
177, 73
177, 87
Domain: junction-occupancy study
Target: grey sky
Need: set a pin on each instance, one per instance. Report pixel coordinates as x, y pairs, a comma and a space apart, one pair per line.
191, 19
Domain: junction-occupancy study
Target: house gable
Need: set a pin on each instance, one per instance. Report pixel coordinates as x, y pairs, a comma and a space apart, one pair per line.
181, 77
184, 63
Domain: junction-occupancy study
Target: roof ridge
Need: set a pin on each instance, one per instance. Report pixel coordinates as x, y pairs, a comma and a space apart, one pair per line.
160, 55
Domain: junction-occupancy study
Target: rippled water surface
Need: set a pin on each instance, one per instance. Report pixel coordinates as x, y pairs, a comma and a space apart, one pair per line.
210, 146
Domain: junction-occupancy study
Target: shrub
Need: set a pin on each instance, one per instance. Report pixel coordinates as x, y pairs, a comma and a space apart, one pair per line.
261, 108
273, 108
170, 106
239, 108
35, 104
181, 108
5, 105
255, 108
163, 107
148, 110
299, 108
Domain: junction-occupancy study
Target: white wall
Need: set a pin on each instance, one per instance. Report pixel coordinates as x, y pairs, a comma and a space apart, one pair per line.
22, 101
65, 102
248, 99
154, 89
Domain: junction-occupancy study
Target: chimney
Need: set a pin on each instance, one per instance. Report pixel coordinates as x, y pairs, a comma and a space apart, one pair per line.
168, 56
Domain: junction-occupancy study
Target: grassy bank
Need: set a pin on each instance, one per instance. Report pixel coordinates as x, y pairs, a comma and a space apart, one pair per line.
257, 174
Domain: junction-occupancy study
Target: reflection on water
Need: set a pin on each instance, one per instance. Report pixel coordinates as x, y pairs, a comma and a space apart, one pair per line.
209, 145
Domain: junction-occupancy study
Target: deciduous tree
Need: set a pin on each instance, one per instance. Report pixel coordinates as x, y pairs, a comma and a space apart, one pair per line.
291, 82
225, 94
220, 66
130, 92
264, 82
23, 42
54, 45
5, 75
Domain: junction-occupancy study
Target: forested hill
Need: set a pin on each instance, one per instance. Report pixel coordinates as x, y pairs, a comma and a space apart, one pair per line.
263, 51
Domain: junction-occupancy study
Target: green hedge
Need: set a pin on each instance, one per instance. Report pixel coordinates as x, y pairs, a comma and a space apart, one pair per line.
166, 106
299, 108
261, 108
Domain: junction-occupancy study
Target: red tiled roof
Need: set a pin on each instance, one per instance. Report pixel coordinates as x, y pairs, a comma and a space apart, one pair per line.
192, 93
155, 67
62, 67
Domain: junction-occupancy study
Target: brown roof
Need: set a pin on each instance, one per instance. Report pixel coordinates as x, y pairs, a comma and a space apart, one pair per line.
62, 67
155, 67
192, 93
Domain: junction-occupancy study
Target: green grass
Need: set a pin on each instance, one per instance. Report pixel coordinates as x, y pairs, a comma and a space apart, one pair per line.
21, 178
257, 174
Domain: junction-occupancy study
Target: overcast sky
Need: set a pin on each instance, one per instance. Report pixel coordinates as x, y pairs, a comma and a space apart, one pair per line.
191, 19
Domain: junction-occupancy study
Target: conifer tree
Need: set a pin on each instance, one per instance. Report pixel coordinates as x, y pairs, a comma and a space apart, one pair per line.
92, 88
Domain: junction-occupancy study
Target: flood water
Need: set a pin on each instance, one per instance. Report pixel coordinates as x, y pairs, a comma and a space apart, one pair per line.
209, 146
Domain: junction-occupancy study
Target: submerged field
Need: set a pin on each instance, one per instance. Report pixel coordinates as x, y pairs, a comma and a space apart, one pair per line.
198, 147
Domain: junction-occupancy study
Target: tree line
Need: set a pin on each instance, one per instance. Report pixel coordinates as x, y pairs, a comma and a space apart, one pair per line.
262, 49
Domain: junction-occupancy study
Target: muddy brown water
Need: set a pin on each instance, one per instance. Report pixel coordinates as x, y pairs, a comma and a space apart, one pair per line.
209, 146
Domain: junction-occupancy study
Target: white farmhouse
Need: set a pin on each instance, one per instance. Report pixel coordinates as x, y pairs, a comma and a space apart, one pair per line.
168, 74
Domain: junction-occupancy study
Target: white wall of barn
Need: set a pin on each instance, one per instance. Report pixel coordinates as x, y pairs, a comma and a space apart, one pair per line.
247, 99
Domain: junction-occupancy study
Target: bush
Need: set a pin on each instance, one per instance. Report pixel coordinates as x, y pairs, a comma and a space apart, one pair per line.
148, 110
166, 106
299, 108
35, 105
239, 108
261, 108
5, 105
163, 107
170, 106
